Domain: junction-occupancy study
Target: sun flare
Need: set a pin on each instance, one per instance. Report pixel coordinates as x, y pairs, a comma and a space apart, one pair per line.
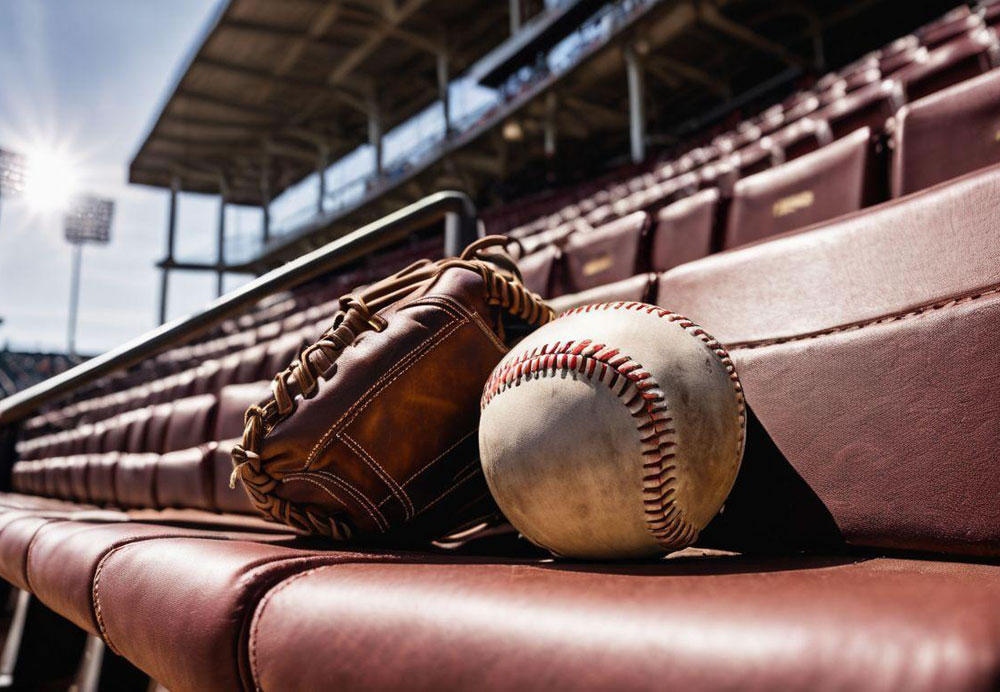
50, 181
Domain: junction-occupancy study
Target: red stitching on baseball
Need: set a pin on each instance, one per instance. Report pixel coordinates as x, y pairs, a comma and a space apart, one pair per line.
664, 518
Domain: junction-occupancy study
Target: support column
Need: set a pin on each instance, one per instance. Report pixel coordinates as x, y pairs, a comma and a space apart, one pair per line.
74, 298
515, 16
444, 94
375, 130
265, 202
21, 601
551, 105
220, 238
88, 675
175, 187
322, 163
636, 104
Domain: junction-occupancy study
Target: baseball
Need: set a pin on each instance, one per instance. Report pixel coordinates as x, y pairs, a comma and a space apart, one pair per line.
615, 431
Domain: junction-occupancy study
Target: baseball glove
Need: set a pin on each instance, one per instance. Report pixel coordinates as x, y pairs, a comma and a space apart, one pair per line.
371, 431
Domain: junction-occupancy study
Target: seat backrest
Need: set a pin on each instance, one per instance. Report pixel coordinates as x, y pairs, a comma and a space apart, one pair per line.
960, 59
822, 185
683, 231
947, 134
606, 254
191, 423
870, 359
870, 107
537, 270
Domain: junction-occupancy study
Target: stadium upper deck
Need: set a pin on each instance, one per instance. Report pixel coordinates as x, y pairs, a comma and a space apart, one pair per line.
270, 98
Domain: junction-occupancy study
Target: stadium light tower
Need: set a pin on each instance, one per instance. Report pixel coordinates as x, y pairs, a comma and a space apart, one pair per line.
88, 220
11, 174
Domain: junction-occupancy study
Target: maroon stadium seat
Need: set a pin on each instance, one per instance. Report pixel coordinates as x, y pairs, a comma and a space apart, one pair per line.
959, 21
947, 134
859, 343
633, 289
869, 107
538, 269
829, 182
962, 58
191, 422
184, 478
605, 255
683, 230
716, 623
802, 137
135, 479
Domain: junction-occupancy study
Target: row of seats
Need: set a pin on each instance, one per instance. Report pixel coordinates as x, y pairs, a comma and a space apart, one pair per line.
859, 345
244, 349
863, 94
932, 140
194, 478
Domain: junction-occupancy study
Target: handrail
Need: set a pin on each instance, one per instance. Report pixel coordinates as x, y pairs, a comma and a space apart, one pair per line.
354, 245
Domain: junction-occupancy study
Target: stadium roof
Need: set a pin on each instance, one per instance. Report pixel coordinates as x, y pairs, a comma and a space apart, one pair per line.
273, 83
274, 80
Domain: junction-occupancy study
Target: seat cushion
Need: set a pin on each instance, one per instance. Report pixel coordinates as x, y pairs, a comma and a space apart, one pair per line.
64, 558
202, 593
719, 623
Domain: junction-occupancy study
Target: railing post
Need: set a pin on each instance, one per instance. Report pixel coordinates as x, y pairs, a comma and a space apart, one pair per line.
175, 186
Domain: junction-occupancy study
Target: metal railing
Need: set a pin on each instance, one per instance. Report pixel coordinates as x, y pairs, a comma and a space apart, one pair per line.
454, 208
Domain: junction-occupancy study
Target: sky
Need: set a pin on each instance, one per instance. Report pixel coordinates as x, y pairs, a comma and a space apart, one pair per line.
82, 82
80, 85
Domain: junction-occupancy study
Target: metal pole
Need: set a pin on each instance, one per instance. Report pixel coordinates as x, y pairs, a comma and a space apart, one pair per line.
515, 16
175, 186
443, 91
375, 131
220, 241
15, 633
265, 202
88, 675
636, 104
550, 124
74, 298
322, 161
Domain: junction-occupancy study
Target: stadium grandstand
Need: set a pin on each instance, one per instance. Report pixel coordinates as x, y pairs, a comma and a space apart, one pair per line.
816, 184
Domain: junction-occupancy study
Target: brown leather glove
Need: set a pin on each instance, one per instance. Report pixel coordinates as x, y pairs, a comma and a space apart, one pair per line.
371, 431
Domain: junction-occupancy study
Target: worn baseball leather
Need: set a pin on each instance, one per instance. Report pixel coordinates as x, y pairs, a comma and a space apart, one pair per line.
371, 431
615, 431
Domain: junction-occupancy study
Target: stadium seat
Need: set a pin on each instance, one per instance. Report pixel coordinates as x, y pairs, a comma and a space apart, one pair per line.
607, 254
959, 21
633, 289
683, 231
829, 182
184, 478
705, 623
135, 480
538, 270
802, 137
960, 59
946, 134
869, 107
858, 343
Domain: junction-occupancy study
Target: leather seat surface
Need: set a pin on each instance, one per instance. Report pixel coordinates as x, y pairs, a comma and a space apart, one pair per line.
719, 623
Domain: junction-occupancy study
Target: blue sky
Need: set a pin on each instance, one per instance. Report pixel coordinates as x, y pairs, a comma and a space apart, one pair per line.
86, 79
